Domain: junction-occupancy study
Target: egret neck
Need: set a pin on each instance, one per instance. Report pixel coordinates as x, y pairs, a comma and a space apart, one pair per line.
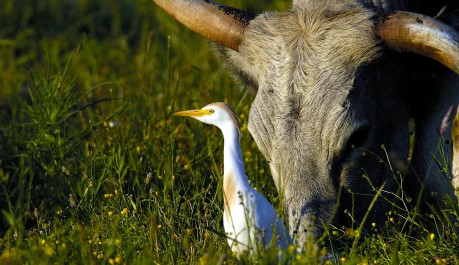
234, 177
232, 157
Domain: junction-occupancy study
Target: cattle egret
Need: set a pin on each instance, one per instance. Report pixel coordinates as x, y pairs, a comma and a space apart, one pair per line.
250, 221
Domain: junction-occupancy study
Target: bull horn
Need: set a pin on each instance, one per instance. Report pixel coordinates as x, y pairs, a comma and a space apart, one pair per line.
221, 24
411, 32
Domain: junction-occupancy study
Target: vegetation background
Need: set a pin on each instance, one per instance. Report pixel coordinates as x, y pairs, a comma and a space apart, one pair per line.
93, 168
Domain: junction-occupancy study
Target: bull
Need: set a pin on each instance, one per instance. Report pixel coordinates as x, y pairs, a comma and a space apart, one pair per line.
340, 85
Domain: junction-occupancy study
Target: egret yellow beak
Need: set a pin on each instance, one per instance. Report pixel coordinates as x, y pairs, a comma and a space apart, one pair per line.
193, 113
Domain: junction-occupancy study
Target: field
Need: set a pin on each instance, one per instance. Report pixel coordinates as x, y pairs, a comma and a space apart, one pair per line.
95, 170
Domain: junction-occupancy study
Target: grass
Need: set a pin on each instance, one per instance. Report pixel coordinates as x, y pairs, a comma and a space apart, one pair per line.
93, 168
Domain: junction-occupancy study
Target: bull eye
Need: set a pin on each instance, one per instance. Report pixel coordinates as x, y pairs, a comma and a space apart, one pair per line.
358, 137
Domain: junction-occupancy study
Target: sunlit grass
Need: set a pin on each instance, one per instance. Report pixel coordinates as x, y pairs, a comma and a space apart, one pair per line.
93, 168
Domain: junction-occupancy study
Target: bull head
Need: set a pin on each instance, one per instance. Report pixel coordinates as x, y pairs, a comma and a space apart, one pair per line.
329, 86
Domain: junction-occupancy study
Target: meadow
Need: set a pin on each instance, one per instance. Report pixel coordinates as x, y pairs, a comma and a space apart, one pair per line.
95, 170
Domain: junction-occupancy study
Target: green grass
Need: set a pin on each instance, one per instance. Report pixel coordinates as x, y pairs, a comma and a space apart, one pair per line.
93, 168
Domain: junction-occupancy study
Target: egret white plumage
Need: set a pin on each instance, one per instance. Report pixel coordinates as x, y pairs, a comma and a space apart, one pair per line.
250, 221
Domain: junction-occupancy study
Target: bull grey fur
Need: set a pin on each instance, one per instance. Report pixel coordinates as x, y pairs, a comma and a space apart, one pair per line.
325, 82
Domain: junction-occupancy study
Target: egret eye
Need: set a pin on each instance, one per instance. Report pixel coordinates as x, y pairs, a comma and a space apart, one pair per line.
211, 111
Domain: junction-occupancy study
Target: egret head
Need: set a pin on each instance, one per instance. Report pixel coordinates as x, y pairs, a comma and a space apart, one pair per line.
219, 114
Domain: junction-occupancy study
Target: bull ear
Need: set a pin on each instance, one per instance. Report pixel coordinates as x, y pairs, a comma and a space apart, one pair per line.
411, 32
221, 24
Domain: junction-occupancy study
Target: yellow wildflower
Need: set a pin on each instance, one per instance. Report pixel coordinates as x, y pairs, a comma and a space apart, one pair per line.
138, 149
48, 250
441, 261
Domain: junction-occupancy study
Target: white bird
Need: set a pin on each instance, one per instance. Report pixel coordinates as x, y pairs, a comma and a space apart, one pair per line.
250, 221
